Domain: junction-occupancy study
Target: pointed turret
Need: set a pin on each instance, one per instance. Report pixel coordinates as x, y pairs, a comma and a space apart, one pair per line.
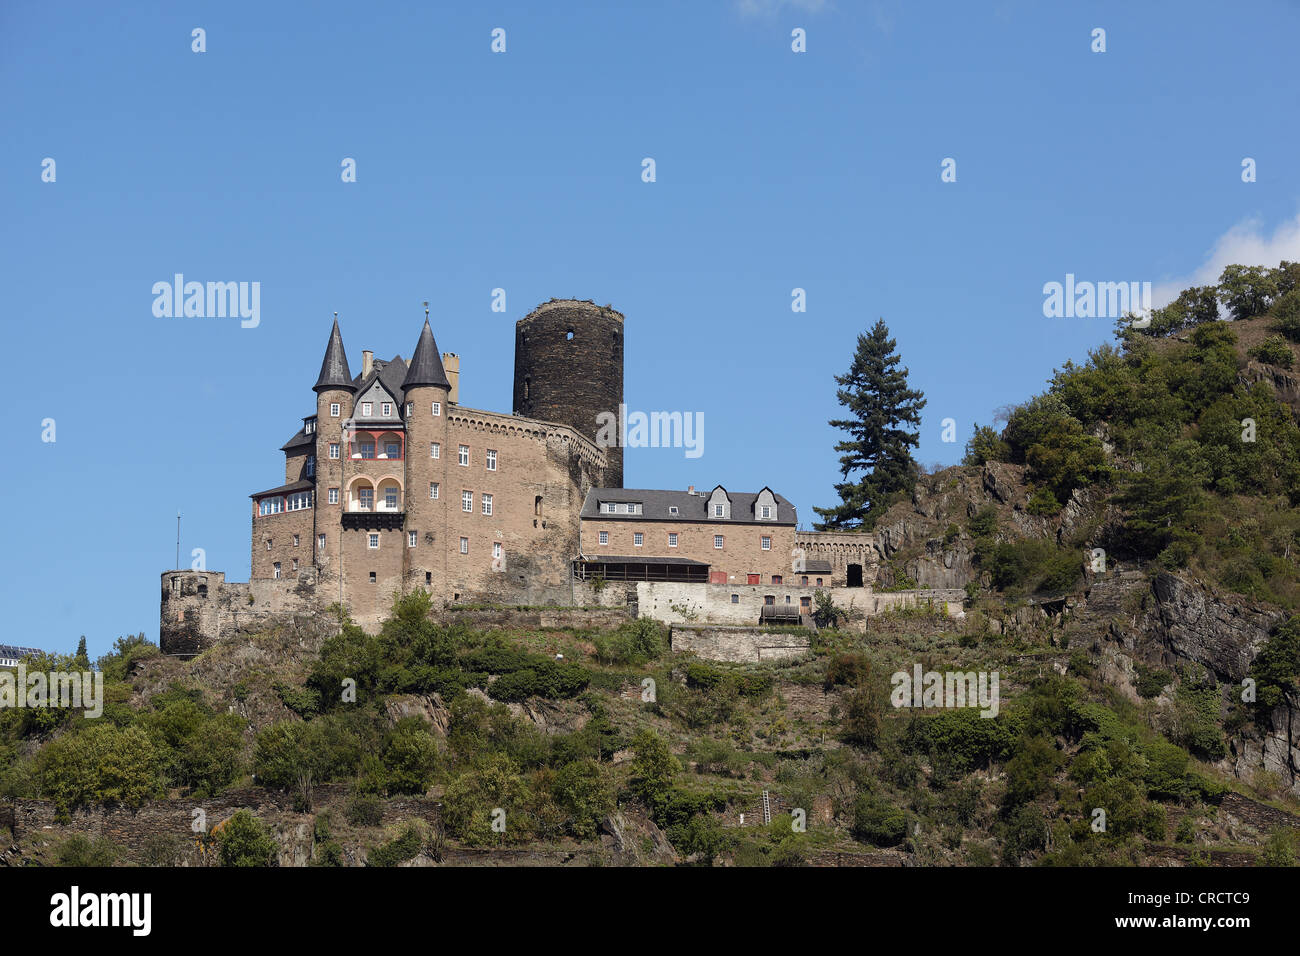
334, 372
426, 364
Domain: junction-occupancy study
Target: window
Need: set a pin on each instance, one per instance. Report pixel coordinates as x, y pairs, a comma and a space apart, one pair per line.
464, 545
609, 507
766, 511
435, 450
411, 538
334, 409
638, 539
367, 450
537, 505
752, 579
270, 506
717, 511
374, 541
390, 498
388, 409
433, 490
334, 496
437, 409
491, 459
393, 449
496, 549
366, 408
295, 541
367, 497
604, 537
372, 577
777, 579
787, 599
672, 509
487, 504
769, 598
410, 409
275, 570
805, 602
295, 564
268, 544
766, 542
467, 501
717, 541
464, 455
299, 500
672, 539
819, 582
735, 599
804, 580
320, 542
334, 449
311, 465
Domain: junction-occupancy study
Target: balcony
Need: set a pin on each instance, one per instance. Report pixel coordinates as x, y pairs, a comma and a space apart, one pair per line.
373, 520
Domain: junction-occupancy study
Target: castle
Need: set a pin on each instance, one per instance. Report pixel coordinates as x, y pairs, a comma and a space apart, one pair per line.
390, 484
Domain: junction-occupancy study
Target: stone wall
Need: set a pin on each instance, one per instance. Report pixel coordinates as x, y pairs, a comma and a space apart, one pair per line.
743, 645
199, 608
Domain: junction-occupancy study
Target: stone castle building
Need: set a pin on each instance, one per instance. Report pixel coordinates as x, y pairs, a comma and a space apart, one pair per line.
390, 484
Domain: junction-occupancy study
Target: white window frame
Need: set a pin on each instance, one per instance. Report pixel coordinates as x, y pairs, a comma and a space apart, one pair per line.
437, 409
372, 542
467, 502
334, 451
320, 542
719, 541
719, 511
435, 450
333, 496
464, 545
433, 491
387, 409
487, 503
391, 497
604, 537
765, 542
491, 460
275, 570
462, 456
638, 539
411, 538
334, 409
496, 549
367, 409
672, 539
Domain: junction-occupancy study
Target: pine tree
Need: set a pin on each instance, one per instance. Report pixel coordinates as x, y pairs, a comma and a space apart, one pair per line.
875, 392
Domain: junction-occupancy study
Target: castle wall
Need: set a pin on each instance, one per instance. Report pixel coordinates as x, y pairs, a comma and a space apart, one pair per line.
742, 552
742, 645
199, 608
841, 548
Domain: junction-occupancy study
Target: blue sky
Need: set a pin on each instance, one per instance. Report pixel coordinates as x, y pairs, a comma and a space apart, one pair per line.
522, 170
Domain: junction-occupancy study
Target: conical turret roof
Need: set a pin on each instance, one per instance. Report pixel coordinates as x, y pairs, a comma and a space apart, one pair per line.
334, 371
426, 364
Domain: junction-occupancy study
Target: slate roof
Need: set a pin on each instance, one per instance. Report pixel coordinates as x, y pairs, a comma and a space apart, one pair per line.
690, 507
426, 364
816, 566
302, 484
334, 371
299, 439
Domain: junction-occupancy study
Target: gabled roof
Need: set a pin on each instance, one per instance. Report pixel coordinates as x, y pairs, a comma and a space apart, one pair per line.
389, 375
690, 507
426, 364
299, 439
334, 371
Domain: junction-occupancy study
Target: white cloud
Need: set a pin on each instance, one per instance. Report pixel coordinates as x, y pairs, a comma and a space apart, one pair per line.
1244, 244
769, 8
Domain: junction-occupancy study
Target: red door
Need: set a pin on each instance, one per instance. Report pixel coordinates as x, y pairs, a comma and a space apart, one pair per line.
717, 577
753, 579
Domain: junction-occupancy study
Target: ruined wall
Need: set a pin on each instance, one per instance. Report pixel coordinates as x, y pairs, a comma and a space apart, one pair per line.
743, 645
841, 548
199, 608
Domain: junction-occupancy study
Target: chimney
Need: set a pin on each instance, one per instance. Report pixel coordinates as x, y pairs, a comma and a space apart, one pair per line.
690, 490
451, 365
367, 362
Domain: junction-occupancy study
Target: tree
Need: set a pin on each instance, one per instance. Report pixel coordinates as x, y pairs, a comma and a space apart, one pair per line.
245, 841
653, 769
881, 406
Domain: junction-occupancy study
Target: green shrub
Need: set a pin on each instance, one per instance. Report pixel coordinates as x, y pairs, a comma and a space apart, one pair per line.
245, 841
81, 850
364, 810
1274, 351
878, 822
405, 845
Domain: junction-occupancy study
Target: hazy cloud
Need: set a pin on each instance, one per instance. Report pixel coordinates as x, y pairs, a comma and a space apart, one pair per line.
1244, 244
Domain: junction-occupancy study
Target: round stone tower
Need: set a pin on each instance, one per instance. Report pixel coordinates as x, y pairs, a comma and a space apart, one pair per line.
569, 369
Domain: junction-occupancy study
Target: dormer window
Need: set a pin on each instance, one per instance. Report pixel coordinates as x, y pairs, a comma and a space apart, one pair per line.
672, 509
388, 409
718, 510
367, 408
765, 511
